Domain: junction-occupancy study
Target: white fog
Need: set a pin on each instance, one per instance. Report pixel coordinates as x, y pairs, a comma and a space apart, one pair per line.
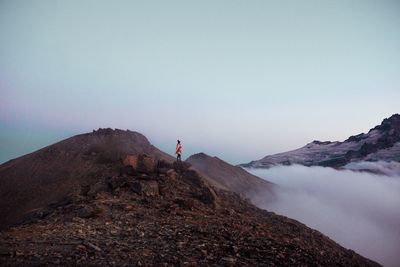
359, 210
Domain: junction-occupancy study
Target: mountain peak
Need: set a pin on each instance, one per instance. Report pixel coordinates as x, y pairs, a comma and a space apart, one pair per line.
59, 168
393, 122
116, 131
395, 117
381, 143
233, 178
200, 155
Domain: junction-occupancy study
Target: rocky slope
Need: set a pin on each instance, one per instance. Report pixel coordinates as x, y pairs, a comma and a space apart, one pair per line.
153, 213
380, 143
231, 178
49, 174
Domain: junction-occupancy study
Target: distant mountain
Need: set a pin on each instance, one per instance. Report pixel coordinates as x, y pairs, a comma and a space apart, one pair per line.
380, 143
225, 176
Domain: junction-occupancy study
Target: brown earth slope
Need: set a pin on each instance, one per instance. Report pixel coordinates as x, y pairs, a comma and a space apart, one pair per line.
50, 174
158, 214
232, 178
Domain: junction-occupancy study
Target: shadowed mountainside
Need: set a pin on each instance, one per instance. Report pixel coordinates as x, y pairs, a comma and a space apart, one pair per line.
50, 174
232, 178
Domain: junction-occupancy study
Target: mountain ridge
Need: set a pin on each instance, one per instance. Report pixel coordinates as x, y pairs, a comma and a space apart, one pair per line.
157, 213
111, 198
380, 143
232, 178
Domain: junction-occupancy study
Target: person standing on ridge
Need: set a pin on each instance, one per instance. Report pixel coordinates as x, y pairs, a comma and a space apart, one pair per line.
178, 151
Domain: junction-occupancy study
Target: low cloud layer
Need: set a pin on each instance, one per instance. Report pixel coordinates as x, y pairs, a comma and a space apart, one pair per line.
380, 167
359, 210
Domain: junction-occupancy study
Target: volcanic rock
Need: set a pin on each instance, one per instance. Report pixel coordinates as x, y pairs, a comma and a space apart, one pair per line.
188, 224
54, 172
140, 163
147, 188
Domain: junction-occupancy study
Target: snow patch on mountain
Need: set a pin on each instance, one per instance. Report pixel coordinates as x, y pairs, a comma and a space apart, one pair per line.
380, 143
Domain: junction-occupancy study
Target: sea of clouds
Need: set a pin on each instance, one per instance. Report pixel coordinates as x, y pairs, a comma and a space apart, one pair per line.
359, 210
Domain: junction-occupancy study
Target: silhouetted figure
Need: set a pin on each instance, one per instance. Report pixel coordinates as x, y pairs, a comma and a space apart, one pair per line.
178, 151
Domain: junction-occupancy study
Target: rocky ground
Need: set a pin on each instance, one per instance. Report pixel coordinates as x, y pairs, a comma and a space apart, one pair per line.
157, 214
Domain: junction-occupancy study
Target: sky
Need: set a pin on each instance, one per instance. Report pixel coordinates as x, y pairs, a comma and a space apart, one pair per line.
235, 79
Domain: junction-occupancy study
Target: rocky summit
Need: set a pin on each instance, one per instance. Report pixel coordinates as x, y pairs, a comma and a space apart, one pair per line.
380, 143
48, 175
141, 209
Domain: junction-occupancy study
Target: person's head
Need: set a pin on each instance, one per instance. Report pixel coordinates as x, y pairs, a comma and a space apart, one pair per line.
179, 141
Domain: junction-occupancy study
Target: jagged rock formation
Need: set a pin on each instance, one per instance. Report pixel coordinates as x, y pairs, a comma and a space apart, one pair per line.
231, 178
154, 213
380, 143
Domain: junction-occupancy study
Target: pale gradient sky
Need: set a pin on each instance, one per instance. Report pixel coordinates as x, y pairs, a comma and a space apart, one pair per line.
236, 79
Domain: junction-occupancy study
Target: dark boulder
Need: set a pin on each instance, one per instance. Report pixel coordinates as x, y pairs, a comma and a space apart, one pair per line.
145, 188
